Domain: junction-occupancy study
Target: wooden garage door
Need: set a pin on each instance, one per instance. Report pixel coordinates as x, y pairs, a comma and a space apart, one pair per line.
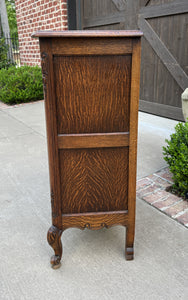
164, 56
164, 63
101, 14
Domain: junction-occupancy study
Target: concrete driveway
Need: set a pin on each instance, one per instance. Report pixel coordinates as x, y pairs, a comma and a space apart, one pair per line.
93, 263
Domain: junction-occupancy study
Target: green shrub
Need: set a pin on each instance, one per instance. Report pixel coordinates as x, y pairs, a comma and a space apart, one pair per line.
4, 61
22, 84
176, 155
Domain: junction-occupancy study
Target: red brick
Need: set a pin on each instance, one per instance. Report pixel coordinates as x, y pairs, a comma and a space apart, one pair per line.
65, 23
159, 195
150, 189
64, 6
162, 182
165, 173
183, 218
177, 208
143, 183
165, 203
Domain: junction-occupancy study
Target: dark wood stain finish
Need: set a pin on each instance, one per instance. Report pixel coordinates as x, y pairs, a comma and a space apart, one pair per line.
93, 140
97, 81
94, 180
91, 97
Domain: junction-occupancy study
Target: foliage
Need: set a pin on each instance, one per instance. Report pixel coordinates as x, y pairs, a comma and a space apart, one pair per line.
11, 13
176, 155
4, 61
19, 85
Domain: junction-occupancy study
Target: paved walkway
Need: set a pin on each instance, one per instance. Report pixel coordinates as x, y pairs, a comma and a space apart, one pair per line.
93, 264
152, 189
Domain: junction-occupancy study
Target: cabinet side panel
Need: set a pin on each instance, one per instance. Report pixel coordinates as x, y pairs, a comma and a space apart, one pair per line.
51, 126
94, 180
92, 93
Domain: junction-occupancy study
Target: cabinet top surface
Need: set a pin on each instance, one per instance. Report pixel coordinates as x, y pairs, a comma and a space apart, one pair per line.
88, 33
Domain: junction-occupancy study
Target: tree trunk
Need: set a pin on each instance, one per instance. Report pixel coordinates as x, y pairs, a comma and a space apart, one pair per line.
5, 28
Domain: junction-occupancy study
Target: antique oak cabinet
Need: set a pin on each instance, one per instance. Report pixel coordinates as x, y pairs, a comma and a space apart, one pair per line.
91, 89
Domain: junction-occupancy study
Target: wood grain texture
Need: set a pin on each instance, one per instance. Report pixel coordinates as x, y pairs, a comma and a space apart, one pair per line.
93, 140
165, 17
134, 102
51, 126
101, 104
120, 4
159, 83
104, 20
164, 54
107, 46
94, 221
165, 9
54, 240
94, 180
172, 112
91, 101
101, 14
87, 33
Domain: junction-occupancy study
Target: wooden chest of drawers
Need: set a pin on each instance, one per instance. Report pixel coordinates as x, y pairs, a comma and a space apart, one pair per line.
91, 88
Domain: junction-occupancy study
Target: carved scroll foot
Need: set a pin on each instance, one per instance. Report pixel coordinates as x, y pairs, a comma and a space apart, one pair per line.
129, 247
54, 240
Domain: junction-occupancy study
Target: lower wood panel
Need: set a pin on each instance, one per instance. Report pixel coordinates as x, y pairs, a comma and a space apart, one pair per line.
94, 180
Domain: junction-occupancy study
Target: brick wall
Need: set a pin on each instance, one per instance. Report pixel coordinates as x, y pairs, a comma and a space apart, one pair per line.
34, 15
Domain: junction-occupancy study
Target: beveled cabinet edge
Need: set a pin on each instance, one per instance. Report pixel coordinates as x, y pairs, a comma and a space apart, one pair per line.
87, 33
133, 132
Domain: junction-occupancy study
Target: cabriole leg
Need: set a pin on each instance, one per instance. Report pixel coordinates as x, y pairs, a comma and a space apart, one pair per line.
54, 240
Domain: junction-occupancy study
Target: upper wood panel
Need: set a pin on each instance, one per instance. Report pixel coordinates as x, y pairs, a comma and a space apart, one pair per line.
92, 93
